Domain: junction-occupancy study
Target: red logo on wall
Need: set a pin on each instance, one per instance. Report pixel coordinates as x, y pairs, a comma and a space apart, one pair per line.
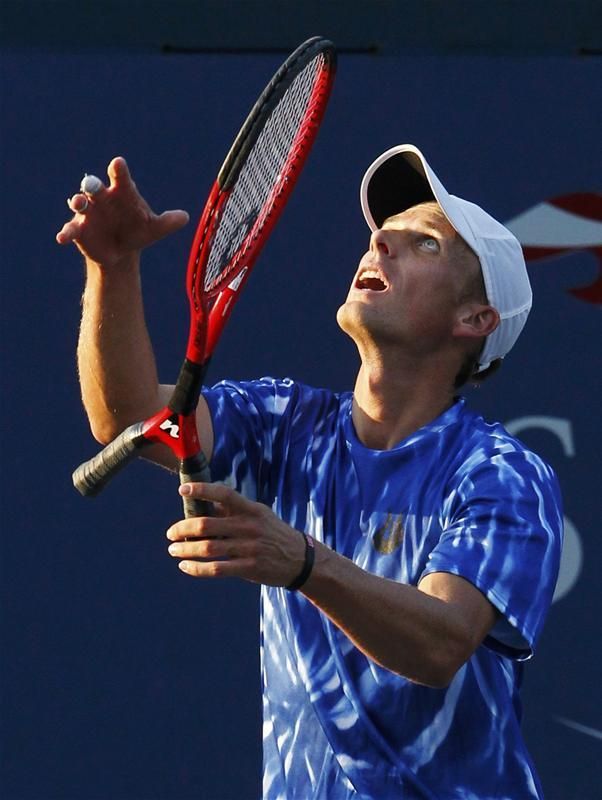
567, 224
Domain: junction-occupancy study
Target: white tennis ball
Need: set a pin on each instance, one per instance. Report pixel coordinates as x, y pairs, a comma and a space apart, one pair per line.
90, 184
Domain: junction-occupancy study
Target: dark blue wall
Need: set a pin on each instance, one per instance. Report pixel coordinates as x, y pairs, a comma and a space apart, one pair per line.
121, 678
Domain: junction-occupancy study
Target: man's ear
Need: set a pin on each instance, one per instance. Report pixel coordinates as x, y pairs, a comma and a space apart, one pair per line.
475, 320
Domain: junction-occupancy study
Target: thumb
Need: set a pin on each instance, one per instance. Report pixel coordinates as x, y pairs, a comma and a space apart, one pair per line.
170, 222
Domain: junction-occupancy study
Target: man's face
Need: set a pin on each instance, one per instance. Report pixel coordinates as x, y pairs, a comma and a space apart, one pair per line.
409, 285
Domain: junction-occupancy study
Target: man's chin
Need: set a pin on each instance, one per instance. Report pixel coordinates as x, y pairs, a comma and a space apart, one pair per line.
353, 318
345, 317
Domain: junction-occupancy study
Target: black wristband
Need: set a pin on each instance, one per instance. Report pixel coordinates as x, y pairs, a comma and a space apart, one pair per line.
308, 564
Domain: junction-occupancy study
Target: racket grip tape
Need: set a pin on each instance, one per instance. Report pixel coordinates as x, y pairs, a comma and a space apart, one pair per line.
195, 470
93, 475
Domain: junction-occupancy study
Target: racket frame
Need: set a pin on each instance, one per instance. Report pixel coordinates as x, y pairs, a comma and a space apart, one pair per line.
175, 425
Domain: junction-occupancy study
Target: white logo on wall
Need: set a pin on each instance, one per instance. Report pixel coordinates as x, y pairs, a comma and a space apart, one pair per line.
572, 551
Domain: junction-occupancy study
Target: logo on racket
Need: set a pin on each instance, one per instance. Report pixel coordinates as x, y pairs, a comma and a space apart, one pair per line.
235, 284
171, 427
235, 238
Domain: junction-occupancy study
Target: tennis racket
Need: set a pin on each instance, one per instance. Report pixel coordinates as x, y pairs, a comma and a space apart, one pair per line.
251, 190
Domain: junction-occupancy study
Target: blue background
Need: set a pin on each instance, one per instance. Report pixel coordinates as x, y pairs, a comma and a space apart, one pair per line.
121, 678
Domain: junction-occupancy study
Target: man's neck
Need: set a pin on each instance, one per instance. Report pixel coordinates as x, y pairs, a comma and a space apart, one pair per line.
390, 404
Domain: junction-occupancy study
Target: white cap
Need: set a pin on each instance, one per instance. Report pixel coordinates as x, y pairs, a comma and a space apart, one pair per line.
401, 178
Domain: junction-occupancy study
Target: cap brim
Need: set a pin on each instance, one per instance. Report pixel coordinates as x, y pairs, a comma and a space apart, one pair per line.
393, 183
401, 178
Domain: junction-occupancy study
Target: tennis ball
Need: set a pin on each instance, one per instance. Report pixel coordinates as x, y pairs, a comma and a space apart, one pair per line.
90, 184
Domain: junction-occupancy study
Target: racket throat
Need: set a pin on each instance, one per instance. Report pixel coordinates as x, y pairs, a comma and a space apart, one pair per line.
177, 431
185, 397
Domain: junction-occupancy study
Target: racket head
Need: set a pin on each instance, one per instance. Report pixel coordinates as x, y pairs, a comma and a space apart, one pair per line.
247, 198
252, 188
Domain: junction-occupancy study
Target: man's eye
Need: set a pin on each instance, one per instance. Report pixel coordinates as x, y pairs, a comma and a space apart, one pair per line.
430, 243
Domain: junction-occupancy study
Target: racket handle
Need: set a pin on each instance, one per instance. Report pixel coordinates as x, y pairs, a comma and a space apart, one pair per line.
196, 470
93, 475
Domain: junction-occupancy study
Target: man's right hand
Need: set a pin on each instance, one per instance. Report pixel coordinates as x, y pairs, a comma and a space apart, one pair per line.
116, 223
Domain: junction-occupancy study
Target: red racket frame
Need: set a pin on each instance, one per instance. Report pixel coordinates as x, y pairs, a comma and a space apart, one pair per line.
175, 425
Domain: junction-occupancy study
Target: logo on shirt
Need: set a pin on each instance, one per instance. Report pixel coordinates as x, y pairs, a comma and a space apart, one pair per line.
387, 538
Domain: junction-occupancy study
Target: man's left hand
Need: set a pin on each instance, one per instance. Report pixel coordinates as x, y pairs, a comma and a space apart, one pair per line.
244, 540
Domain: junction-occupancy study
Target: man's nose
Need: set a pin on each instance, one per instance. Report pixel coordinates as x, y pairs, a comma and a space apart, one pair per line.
380, 242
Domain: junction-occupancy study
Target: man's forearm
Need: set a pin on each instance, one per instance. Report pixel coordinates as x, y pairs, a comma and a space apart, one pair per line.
424, 635
116, 363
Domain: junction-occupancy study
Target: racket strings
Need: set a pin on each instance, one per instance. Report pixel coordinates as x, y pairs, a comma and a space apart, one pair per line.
263, 177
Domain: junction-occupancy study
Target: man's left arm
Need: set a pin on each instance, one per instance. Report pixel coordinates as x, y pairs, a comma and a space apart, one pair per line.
424, 633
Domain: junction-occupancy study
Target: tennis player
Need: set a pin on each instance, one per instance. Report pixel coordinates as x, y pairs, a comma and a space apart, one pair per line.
408, 550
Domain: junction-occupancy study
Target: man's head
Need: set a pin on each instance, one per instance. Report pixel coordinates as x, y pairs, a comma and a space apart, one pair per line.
401, 179
418, 293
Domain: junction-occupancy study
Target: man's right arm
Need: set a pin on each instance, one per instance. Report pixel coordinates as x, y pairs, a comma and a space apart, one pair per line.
117, 371
116, 363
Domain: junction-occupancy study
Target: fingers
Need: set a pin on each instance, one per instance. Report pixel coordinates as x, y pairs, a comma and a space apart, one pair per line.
228, 498
224, 526
211, 549
119, 173
249, 541
201, 528
72, 229
220, 552
216, 569
225, 544
91, 188
78, 203
120, 177
112, 223
163, 224
67, 233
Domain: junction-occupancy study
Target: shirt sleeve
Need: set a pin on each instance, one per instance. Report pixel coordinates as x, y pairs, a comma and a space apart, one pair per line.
503, 533
246, 418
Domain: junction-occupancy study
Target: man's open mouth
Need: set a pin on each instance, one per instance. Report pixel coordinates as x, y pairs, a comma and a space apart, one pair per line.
370, 280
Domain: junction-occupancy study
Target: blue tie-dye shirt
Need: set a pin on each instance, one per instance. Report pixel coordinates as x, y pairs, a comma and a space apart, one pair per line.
459, 495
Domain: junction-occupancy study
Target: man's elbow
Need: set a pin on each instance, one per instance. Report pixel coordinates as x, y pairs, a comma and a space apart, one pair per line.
104, 432
442, 663
439, 676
